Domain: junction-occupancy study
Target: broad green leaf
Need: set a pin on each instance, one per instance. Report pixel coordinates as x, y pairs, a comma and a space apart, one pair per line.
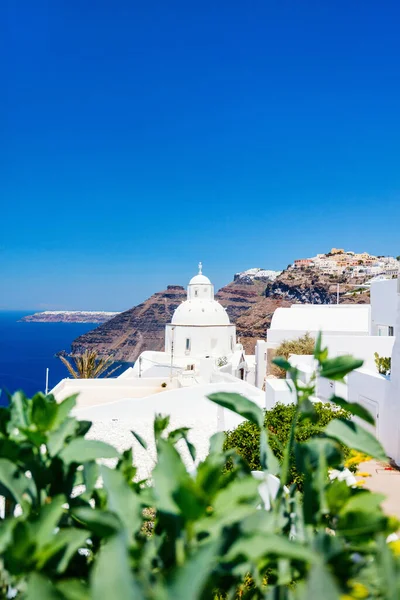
318, 345
320, 584
321, 354
18, 486
160, 425
388, 570
122, 500
66, 540
90, 476
73, 589
44, 411
336, 368
63, 410
43, 528
354, 436
240, 405
257, 546
354, 408
217, 442
71, 540
364, 500
111, 575
231, 505
139, 439
191, 579
281, 362
174, 489
39, 586
268, 460
6, 533
57, 438
83, 428
80, 450
102, 522
19, 411
182, 434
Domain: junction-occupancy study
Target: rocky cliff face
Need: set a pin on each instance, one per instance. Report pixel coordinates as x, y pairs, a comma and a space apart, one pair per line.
135, 330
313, 287
250, 303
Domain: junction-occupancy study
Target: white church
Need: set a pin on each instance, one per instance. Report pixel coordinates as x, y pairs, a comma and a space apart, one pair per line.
200, 348
202, 356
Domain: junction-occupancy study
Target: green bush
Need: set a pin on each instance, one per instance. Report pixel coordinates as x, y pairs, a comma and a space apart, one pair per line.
75, 528
383, 363
302, 345
245, 439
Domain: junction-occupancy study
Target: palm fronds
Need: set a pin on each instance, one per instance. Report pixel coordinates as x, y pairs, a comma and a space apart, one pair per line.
88, 365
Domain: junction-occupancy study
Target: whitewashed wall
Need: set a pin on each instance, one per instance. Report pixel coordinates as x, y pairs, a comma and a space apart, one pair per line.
371, 390
383, 304
213, 341
360, 346
187, 407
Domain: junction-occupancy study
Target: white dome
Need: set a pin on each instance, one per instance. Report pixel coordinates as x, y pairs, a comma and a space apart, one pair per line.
200, 312
199, 280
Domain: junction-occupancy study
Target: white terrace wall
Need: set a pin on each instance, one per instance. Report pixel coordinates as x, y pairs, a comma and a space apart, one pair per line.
371, 390
383, 305
360, 346
187, 407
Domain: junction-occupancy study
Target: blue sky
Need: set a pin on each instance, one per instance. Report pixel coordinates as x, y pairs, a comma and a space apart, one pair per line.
138, 138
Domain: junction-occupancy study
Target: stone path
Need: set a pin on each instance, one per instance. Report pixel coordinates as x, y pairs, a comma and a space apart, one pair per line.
385, 480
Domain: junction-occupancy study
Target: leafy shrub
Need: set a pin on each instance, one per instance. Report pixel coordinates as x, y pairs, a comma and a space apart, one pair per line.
303, 345
383, 363
245, 439
85, 531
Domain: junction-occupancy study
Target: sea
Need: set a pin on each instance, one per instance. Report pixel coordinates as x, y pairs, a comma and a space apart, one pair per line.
28, 349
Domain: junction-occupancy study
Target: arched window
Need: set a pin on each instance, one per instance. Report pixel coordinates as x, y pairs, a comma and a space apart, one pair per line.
187, 346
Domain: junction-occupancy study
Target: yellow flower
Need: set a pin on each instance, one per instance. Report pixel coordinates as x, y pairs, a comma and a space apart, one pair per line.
363, 474
395, 547
360, 483
358, 592
393, 523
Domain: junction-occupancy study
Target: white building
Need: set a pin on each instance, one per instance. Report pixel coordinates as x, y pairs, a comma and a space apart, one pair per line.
359, 330
201, 357
200, 326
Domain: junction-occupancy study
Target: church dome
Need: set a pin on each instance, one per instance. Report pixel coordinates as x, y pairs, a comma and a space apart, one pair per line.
200, 279
200, 312
200, 308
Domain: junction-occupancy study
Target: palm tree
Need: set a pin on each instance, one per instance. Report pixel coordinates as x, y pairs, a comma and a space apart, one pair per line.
88, 365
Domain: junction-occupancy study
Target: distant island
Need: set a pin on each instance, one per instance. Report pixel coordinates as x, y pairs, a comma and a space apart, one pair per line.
70, 316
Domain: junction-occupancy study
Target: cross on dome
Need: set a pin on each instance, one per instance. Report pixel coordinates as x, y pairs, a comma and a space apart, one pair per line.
200, 268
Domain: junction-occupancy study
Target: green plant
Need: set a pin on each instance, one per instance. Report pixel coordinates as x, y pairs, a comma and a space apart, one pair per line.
245, 439
383, 363
85, 530
222, 361
88, 365
302, 345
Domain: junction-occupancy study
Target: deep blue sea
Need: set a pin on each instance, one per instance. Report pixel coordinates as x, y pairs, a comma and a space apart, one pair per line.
27, 349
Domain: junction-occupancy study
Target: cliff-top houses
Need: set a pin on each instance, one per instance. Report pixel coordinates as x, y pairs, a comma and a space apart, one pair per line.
339, 261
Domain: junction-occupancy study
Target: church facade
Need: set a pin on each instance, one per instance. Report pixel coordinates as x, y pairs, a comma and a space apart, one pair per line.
200, 326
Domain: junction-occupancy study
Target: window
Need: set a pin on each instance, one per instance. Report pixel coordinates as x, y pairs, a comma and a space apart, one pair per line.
187, 345
196, 292
391, 330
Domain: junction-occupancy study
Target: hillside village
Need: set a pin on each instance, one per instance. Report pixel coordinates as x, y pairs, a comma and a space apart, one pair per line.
339, 261
250, 300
